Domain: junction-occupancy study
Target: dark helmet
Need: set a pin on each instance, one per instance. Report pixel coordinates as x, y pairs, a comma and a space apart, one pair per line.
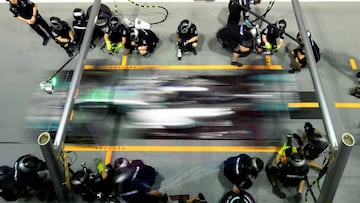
308, 127
298, 36
79, 14
184, 26
255, 166
114, 23
257, 1
134, 34
29, 164
281, 25
55, 23
297, 160
5, 172
121, 163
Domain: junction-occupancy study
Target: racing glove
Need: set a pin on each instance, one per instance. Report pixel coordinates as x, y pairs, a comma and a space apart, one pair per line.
101, 166
118, 47
277, 47
108, 45
268, 45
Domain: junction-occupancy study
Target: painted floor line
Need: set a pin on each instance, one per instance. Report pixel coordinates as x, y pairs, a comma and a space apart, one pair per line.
347, 105
182, 67
316, 105
173, 148
303, 105
353, 64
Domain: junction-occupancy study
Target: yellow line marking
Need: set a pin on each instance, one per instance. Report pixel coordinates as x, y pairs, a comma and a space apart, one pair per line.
316, 105
71, 115
123, 61
347, 105
268, 60
303, 105
108, 157
173, 148
182, 67
353, 64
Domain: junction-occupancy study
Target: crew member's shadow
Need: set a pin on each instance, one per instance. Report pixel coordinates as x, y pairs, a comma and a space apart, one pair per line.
159, 178
215, 46
225, 183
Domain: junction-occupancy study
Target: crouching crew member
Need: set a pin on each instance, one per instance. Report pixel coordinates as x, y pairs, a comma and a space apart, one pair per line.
186, 37
240, 169
238, 38
290, 169
143, 40
115, 35
63, 35
273, 35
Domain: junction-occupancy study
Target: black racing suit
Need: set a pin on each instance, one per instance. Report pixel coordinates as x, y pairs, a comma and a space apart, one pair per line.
79, 27
272, 34
135, 189
64, 33
234, 35
235, 10
147, 38
235, 171
183, 37
24, 8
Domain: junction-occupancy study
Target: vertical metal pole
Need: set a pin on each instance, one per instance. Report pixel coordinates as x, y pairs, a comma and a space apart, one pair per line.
315, 76
336, 169
54, 166
75, 81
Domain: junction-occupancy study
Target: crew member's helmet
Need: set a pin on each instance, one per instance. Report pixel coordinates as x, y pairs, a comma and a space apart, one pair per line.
255, 166
121, 163
5, 172
134, 34
79, 14
281, 25
184, 26
257, 1
308, 127
298, 36
55, 23
297, 160
114, 23
29, 164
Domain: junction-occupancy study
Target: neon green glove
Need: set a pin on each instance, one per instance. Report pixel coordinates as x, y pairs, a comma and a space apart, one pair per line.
268, 45
108, 45
101, 166
118, 47
277, 47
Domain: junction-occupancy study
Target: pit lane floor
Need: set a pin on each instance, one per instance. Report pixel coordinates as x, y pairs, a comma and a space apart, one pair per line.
183, 170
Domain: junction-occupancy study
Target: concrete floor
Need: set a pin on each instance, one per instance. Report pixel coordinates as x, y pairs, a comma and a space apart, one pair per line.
25, 63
